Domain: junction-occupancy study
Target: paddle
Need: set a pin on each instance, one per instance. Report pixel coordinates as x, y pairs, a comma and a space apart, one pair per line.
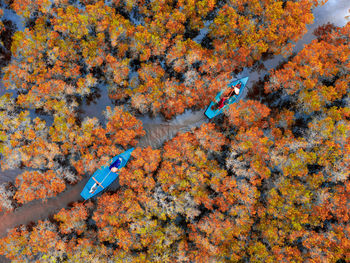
97, 182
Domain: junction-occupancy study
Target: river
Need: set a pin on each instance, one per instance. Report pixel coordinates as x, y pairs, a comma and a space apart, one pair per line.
158, 130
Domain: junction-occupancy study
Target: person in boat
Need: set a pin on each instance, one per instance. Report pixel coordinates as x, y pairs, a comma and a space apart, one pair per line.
93, 188
114, 167
235, 90
224, 100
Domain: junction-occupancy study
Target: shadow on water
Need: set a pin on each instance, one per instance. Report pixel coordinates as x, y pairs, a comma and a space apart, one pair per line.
157, 129
6, 39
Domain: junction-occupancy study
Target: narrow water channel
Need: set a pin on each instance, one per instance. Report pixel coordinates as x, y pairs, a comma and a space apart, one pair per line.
156, 135
157, 129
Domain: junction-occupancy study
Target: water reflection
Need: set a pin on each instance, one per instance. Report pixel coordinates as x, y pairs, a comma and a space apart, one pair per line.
94, 105
334, 11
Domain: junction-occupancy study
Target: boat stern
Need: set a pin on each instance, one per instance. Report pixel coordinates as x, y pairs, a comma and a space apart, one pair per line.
85, 193
211, 113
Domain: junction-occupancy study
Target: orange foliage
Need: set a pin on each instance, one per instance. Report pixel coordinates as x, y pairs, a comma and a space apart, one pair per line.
209, 138
38, 185
73, 219
14, 239
243, 30
248, 113
221, 234
275, 194
114, 211
187, 170
122, 127
138, 175
311, 72
34, 245
26, 8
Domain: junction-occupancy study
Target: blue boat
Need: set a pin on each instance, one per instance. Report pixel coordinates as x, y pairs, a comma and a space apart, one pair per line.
103, 177
210, 112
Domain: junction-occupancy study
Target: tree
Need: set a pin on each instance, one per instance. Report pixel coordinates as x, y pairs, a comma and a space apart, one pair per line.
248, 113
27, 8
38, 185
88, 249
42, 244
138, 175
243, 30
305, 203
209, 138
6, 197
15, 244
73, 219
186, 170
2, 26
122, 127
316, 75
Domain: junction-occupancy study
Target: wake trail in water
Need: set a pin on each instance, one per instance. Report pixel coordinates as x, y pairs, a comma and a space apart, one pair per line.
156, 135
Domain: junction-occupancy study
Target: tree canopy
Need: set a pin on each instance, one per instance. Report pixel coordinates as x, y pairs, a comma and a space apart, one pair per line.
265, 182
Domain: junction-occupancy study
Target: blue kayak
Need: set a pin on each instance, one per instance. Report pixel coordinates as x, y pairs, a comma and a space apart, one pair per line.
103, 177
210, 112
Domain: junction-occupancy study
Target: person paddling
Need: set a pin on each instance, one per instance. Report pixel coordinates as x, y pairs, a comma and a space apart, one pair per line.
236, 89
114, 167
223, 101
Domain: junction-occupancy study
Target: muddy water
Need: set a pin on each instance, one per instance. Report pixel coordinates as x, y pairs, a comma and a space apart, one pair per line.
159, 130
156, 135
38, 210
